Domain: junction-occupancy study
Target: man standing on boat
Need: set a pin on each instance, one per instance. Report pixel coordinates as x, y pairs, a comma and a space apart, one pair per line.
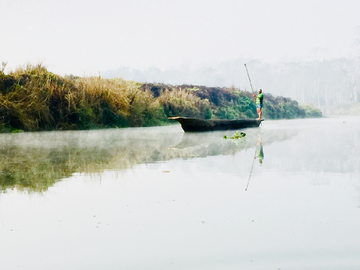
259, 103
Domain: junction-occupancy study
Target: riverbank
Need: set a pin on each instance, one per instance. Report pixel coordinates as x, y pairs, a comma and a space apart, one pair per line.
34, 99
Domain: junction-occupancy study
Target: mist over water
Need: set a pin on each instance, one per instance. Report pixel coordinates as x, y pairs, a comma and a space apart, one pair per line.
159, 198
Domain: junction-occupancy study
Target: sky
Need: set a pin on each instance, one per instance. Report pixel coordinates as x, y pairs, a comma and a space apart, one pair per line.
85, 37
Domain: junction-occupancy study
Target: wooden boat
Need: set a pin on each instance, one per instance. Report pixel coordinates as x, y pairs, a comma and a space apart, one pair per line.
196, 125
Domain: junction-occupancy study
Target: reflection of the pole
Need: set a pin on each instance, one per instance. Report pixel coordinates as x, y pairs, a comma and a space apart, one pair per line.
259, 153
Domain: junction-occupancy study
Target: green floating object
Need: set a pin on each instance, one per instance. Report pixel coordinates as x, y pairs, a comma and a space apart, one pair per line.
236, 136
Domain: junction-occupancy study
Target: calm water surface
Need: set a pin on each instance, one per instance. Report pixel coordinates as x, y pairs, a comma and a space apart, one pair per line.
287, 196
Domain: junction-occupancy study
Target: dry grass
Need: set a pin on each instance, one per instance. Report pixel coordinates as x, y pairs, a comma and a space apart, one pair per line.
33, 98
26, 104
91, 91
184, 103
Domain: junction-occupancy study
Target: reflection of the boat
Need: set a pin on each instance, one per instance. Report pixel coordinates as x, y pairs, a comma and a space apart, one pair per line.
35, 161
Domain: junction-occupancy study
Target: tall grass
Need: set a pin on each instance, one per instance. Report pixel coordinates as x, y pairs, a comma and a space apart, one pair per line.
183, 102
32, 99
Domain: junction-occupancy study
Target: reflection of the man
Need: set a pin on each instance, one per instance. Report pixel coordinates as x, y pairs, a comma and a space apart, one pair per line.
259, 152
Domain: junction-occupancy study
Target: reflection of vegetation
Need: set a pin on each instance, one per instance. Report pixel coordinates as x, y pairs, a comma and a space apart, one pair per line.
18, 169
36, 161
35, 169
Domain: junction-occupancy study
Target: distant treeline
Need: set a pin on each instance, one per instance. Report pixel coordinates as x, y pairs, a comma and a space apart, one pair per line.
321, 82
34, 99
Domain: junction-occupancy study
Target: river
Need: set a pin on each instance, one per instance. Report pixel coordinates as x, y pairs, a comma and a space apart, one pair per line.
287, 196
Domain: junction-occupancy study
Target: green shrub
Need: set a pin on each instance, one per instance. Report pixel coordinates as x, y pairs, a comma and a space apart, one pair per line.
311, 111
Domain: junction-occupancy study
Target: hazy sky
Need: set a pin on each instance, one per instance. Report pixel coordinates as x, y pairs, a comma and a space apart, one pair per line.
84, 37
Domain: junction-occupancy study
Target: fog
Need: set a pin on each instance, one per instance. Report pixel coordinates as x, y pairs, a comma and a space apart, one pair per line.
284, 197
84, 37
321, 82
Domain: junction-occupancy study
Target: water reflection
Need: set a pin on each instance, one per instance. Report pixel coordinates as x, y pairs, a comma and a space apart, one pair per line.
259, 153
300, 211
35, 161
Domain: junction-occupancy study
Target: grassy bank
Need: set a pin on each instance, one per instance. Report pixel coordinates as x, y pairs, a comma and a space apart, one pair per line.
230, 103
33, 99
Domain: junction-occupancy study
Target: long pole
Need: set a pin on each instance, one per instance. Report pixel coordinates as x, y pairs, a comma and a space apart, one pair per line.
250, 81
252, 166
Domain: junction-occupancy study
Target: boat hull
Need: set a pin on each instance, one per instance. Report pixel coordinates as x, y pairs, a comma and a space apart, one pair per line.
198, 125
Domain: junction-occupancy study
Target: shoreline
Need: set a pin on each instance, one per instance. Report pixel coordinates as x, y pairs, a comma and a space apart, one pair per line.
34, 99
